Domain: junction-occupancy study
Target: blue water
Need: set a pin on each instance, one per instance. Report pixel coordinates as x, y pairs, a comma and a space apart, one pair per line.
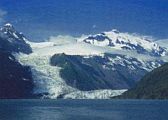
39, 19
83, 110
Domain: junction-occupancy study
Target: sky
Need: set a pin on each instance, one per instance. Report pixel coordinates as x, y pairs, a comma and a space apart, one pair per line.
41, 19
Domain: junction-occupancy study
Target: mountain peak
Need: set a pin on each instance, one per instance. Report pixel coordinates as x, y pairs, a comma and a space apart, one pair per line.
8, 29
15, 41
8, 25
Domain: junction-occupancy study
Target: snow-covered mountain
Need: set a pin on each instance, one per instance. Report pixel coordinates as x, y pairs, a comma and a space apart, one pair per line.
118, 40
95, 66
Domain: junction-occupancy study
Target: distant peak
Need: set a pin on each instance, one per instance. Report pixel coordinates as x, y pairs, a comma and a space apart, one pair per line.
8, 25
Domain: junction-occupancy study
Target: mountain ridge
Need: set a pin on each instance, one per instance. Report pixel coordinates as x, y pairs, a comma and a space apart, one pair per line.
154, 85
126, 41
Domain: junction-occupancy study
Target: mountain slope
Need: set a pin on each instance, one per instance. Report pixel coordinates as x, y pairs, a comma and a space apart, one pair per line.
153, 85
15, 79
98, 72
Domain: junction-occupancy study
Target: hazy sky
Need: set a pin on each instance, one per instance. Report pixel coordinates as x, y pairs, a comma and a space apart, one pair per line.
40, 19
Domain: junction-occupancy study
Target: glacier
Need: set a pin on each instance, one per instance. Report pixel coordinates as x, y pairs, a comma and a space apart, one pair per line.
47, 80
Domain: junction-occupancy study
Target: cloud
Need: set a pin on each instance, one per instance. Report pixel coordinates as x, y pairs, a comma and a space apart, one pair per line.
62, 39
2, 14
